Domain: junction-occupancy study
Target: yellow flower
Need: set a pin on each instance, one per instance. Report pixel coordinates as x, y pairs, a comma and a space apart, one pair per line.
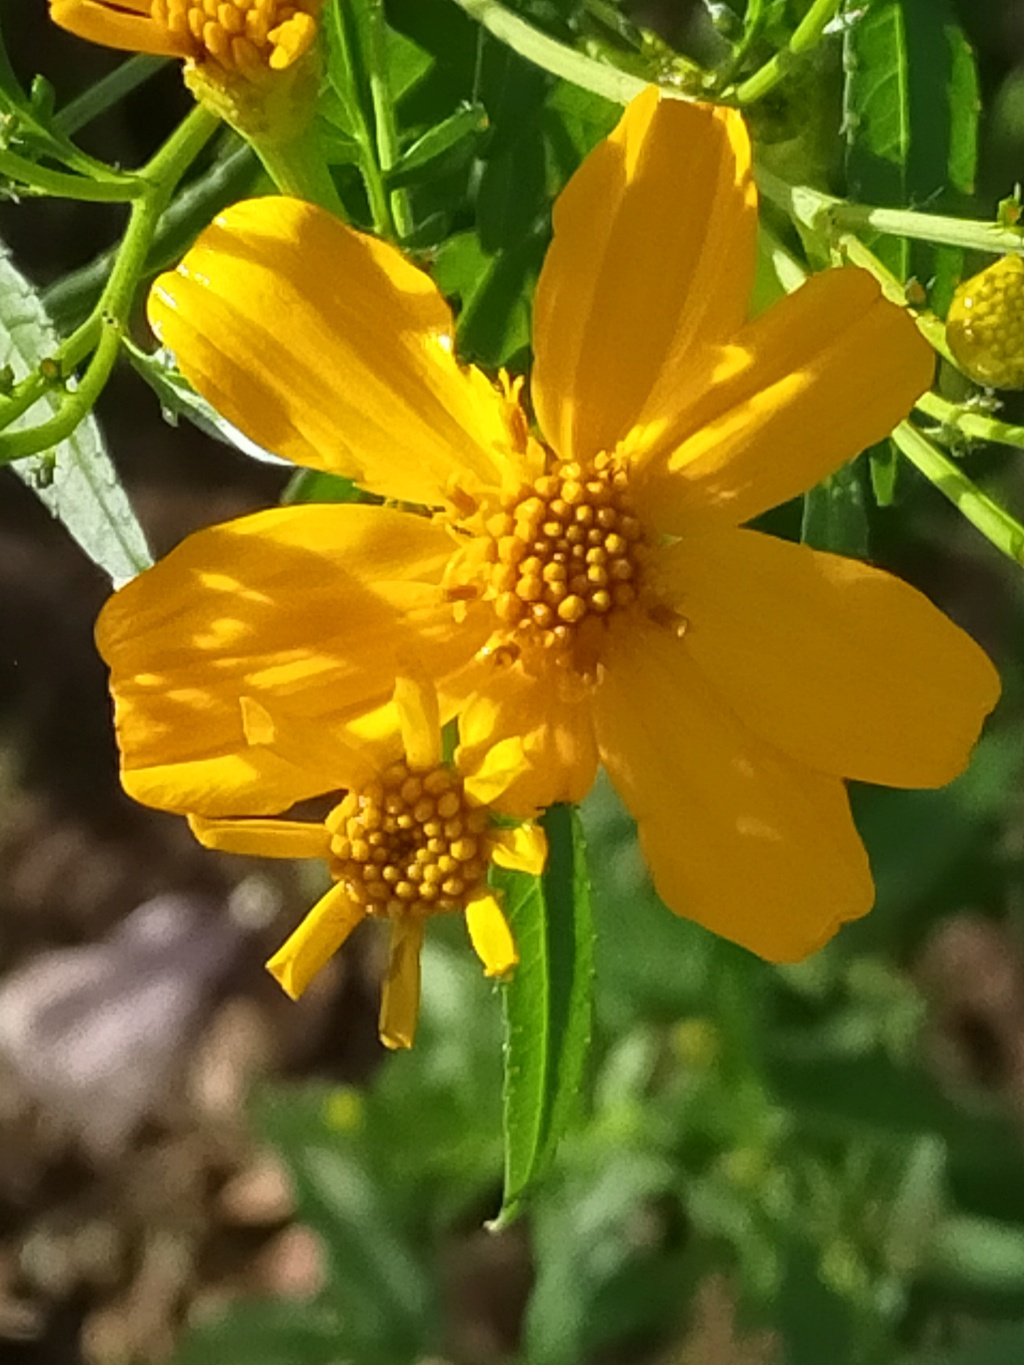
985, 325
588, 589
244, 36
410, 839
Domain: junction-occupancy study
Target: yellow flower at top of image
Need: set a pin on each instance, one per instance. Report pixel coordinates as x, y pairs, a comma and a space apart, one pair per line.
411, 838
249, 37
575, 575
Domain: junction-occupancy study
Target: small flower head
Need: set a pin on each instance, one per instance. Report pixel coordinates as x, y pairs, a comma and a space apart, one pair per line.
985, 326
247, 37
408, 840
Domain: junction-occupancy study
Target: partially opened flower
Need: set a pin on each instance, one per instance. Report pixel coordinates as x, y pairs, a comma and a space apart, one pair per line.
411, 838
246, 36
587, 589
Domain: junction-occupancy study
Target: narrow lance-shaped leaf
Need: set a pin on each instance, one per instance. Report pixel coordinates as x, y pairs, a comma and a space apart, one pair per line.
547, 1005
77, 480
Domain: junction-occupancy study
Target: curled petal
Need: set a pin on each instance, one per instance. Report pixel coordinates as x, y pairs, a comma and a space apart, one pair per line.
501, 765
316, 940
523, 849
490, 935
419, 718
262, 838
127, 26
400, 996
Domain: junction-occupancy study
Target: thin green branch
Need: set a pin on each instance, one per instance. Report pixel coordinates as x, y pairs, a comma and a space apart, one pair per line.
107, 91
974, 426
807, 34
101, 332
388, 150
31, 178
1001, 529
558, 58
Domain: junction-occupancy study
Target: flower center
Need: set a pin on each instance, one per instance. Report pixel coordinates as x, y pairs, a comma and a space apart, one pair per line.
566, 553
243, 34
409, 844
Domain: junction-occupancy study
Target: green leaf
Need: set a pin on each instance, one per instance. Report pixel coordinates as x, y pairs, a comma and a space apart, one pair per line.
77, 481
834, 514
266, 1332
446, 146
547, 1005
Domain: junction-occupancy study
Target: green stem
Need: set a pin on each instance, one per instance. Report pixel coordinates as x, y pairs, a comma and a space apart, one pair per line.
388, 150
975, 426
615, 85
30, 176
297, 167
932, 328
995, 524
807, 34
827, 215
105, 325
106, 92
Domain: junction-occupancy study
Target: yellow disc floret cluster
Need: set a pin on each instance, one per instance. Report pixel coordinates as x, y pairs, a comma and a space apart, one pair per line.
985, 326
243, 34
409, 843
564, 552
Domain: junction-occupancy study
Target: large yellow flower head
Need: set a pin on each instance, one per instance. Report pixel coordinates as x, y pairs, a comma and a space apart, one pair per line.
249, 37
586, 585
410, 838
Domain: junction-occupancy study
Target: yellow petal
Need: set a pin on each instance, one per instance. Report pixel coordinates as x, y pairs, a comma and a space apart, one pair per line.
500, 766
315, 941
305, 610
400, 995
420, 720
802, 389
113, 27
739, 837
653, 253
556, 729
328, 347
262, 838
315, 748
523, 849
843, 666
490, 935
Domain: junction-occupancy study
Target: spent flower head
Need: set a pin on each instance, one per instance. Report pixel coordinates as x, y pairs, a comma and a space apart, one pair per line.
583, 585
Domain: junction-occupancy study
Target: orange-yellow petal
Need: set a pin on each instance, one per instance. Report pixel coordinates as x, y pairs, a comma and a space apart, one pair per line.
501, 765
262, 838
653, 254
844, 667
305, 610
419, 719
555, 726
400, 993
738, 836
490, 935
328, 347
523, 848
114, 26
802, 389
315, 941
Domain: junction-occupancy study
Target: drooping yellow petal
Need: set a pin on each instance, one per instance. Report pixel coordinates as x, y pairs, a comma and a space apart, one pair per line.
653, 254
802, 389
115, 26
556, 729
739, 837
523, 849
316, 747
307, 610
502, 764
489, 934
419, 718
330, 348
400, 994
315, 941
844, 667
262, 838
